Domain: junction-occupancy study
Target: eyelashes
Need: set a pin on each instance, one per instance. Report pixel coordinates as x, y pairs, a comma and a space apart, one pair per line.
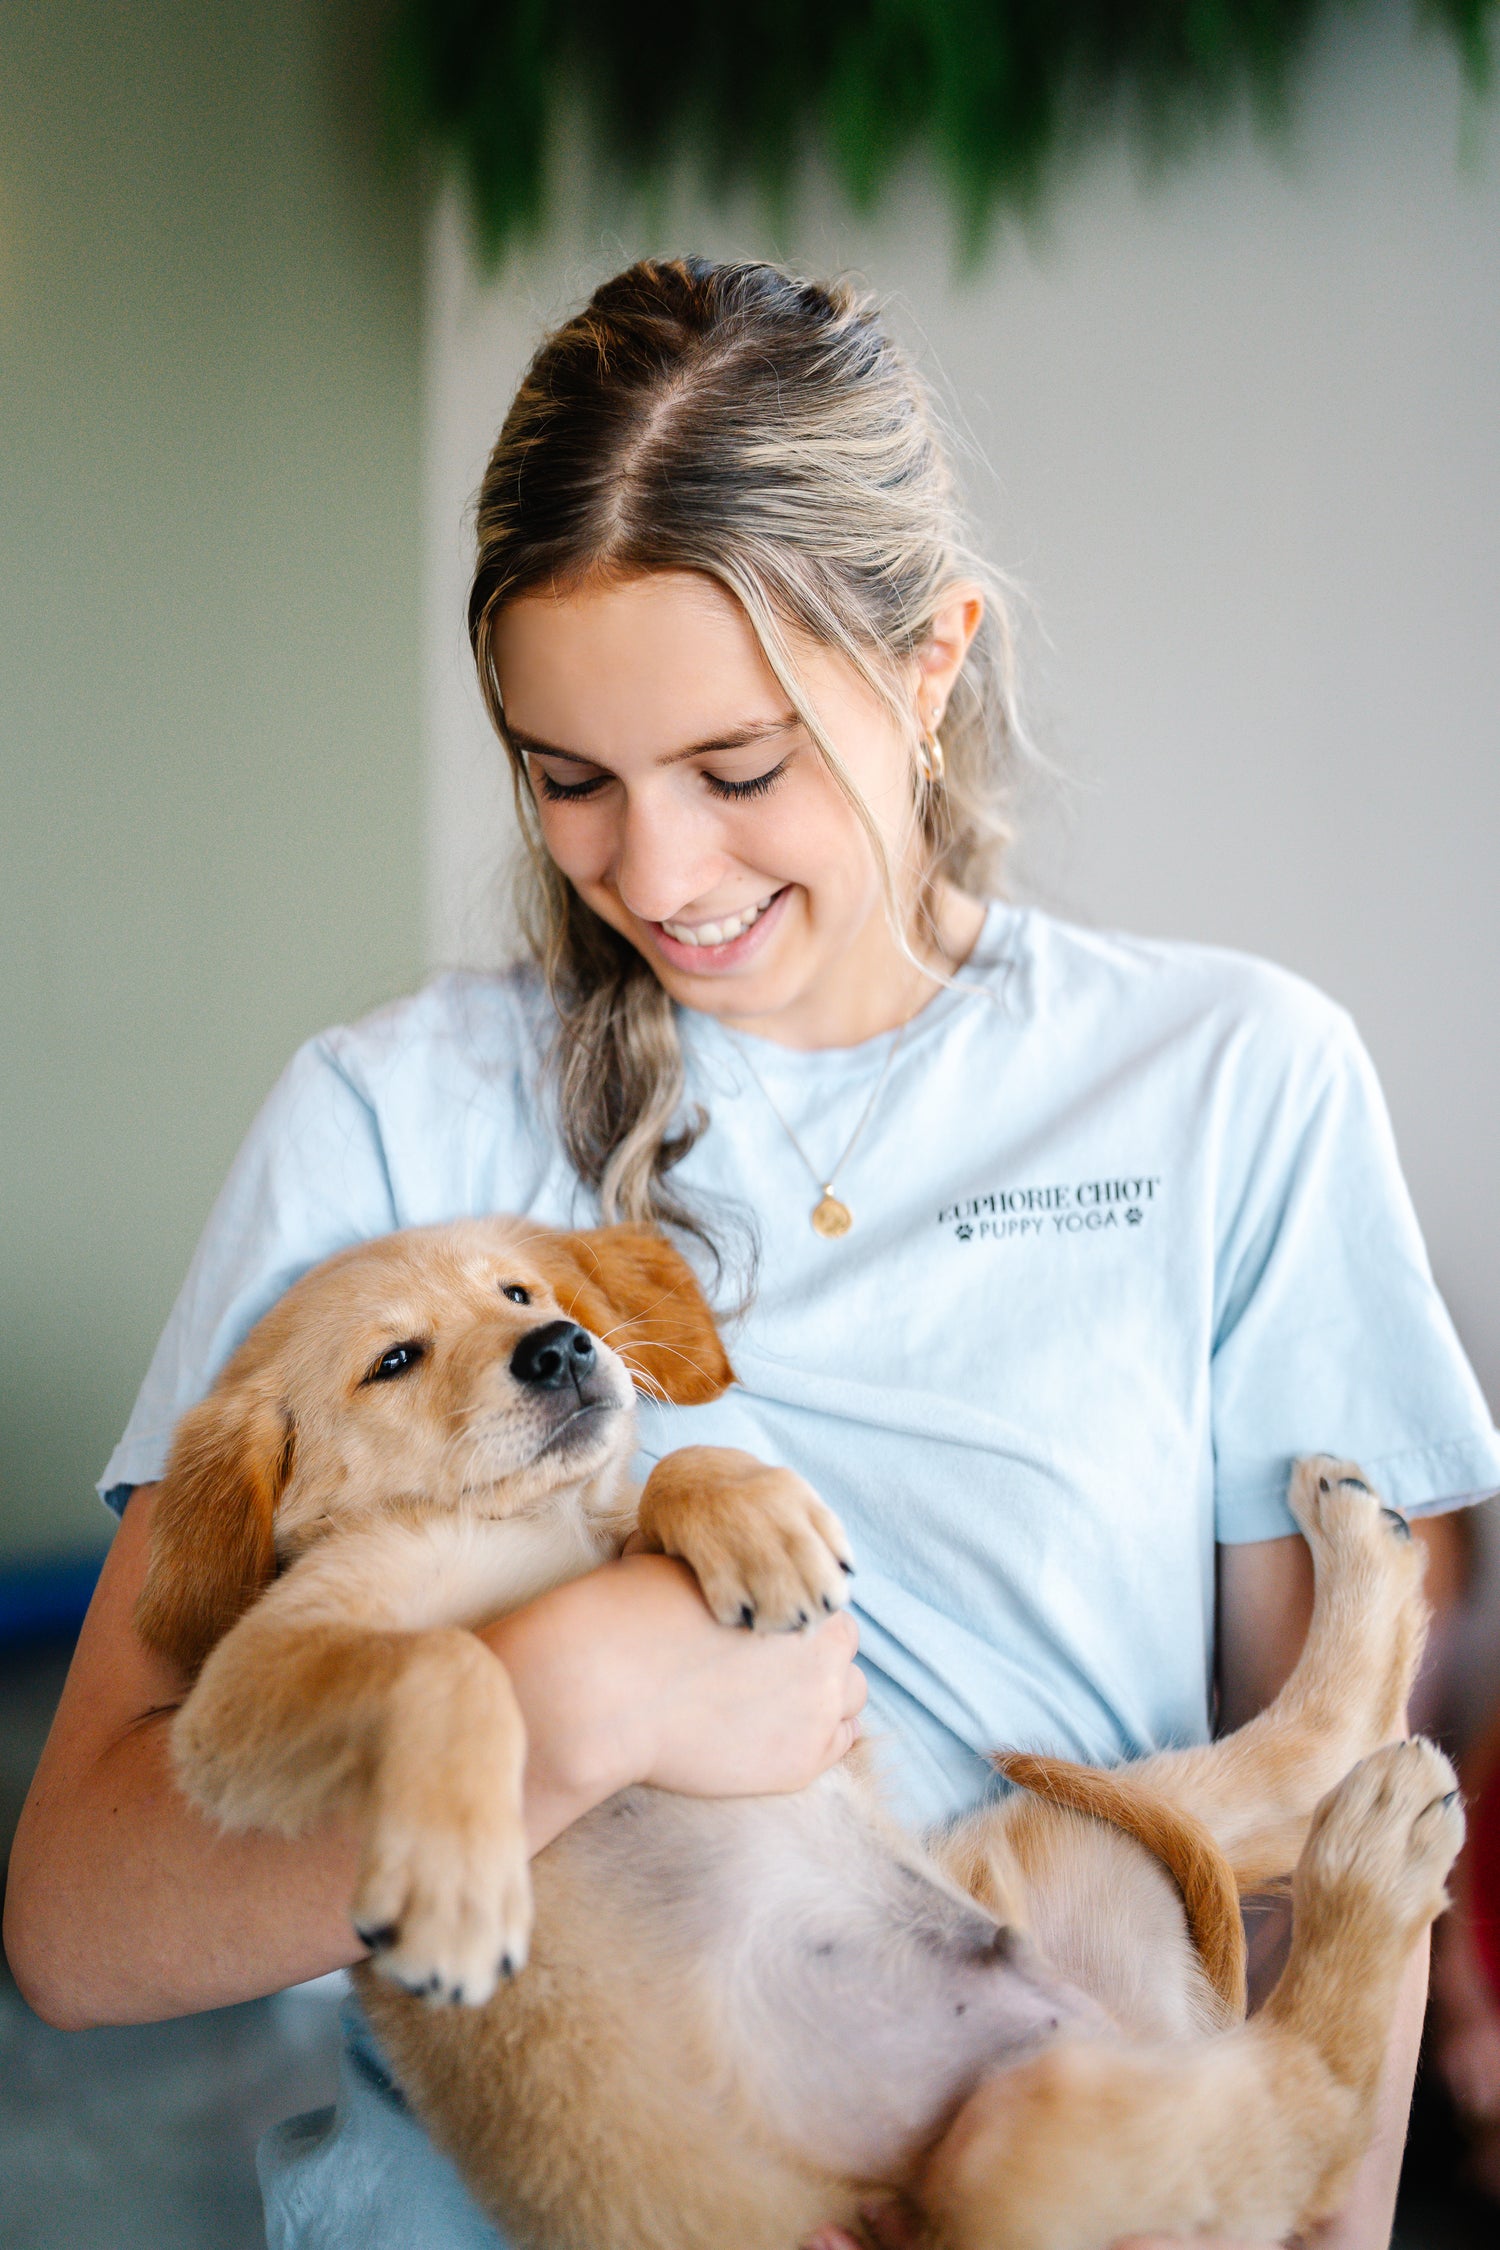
759, 785
731, 792
566, 793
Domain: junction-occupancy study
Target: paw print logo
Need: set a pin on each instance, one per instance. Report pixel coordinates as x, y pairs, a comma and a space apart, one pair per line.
1133, 1216
964, 1233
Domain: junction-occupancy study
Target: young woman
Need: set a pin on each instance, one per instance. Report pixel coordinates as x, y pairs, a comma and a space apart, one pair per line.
1063, 1246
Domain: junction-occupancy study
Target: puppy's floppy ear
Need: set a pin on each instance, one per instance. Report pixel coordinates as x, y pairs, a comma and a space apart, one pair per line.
211, 1542
642, 1297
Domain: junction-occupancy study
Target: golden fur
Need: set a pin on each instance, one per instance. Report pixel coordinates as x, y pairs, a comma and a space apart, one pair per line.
740, 2017
1210, 1894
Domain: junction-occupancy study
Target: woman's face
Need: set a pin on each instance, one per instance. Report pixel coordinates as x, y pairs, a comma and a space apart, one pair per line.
684, 801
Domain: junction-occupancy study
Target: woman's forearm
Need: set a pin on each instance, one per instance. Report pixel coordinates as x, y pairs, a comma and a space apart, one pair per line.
1363, 2222
124, 1904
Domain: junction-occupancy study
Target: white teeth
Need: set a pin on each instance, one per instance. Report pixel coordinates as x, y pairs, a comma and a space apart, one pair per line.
718, 933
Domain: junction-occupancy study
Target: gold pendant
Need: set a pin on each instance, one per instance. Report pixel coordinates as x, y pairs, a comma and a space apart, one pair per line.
831, 1218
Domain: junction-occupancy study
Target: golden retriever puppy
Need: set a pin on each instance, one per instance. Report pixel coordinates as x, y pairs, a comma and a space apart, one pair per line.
742, 2017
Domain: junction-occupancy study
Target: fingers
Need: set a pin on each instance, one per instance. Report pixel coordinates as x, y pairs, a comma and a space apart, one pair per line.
1174, 2242
856, 1695
727, 1713
840, 1743
840, 1632
891, 2226
855, 1691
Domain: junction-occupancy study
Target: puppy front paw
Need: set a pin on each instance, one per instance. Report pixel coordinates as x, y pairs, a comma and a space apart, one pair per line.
766, 1551
446, 1911
444, 1893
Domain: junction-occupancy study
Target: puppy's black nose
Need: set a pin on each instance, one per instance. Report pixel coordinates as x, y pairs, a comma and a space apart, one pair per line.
557, 1353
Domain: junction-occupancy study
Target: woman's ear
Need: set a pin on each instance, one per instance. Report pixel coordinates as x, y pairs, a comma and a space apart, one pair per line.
631, 1288
212, 1548
940, 657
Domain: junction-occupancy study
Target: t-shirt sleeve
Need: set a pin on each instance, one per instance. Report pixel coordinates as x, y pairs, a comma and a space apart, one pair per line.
1330, 1334
310, 1179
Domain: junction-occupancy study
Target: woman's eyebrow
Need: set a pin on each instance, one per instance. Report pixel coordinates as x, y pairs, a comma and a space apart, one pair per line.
755, 730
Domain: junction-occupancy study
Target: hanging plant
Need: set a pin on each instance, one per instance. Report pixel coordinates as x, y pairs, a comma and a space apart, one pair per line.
994, 91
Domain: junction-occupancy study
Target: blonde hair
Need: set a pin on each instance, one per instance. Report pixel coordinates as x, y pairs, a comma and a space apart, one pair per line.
768, 432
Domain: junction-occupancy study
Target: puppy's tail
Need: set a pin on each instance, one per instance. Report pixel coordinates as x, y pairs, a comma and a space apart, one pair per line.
1210, 1893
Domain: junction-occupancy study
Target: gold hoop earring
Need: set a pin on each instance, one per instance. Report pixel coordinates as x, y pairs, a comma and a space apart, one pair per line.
930, 760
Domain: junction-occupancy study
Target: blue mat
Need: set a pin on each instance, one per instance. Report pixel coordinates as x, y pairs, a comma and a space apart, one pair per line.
40, 1599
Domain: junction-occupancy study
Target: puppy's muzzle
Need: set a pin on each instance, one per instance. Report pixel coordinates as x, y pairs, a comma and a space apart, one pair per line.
557, 1356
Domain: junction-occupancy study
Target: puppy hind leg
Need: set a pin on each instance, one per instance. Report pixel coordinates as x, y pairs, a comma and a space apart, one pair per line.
1253, 2134
1088, 2143
1369, 1882
1369, 1619
1255, 1790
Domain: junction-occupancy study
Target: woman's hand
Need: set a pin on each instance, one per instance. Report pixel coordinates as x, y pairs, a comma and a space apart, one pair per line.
625, 1677
892, 2226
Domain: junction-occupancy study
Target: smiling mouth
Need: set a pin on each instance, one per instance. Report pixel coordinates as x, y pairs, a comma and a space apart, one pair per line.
723, 932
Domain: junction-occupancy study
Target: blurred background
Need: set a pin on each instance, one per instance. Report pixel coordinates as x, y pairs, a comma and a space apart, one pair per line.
1226, 386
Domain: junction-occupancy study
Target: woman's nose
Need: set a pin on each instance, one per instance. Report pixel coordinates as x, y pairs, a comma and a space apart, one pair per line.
664, 860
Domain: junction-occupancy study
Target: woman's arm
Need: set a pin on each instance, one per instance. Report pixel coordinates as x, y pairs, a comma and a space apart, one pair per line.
123, 1904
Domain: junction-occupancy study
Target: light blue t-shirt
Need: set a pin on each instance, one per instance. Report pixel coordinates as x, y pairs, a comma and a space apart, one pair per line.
1130, 1234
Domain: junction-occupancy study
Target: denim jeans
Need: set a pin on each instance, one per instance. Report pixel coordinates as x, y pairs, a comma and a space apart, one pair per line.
363, 2175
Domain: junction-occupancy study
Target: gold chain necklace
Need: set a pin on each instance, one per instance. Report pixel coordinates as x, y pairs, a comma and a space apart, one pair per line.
830, 1216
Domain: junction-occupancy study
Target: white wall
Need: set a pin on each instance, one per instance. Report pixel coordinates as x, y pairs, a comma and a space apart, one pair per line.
1246, 457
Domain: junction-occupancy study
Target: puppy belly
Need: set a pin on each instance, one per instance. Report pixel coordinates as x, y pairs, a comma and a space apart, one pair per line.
848, 1996
736, 2017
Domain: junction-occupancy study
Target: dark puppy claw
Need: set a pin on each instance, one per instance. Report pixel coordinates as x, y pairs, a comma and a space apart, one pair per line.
747, 1613
380, 1939
1397, 1522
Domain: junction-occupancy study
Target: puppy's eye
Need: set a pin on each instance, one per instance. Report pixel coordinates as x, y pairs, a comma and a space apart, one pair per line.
399, 1360
516, 1294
